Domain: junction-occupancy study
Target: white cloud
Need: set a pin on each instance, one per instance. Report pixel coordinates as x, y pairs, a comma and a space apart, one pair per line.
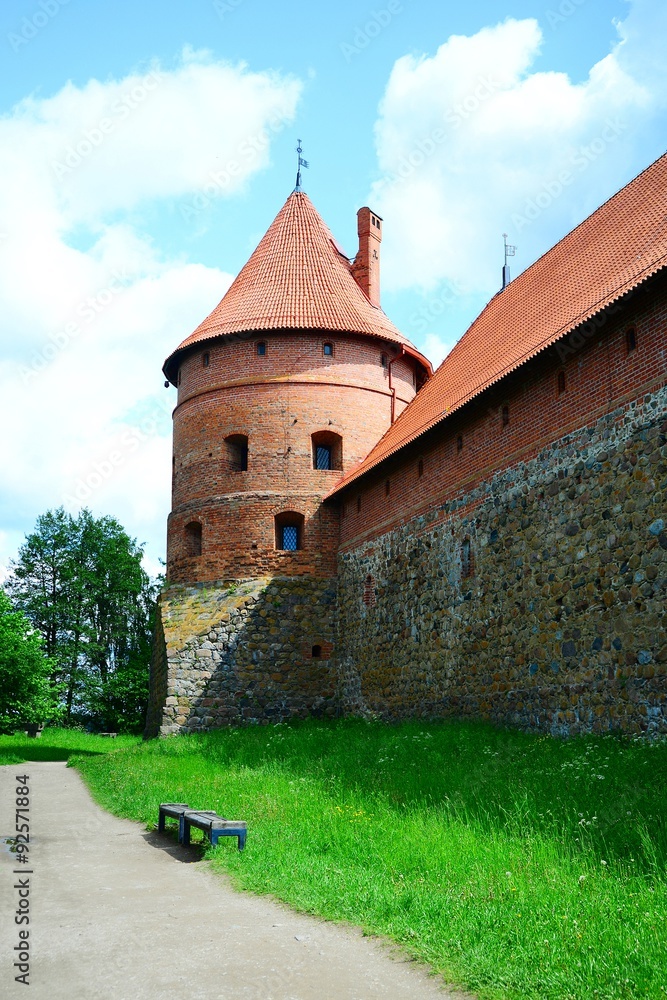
83, 333
473, 142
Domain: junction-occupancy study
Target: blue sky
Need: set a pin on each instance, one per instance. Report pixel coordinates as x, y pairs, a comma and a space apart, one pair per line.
147, 147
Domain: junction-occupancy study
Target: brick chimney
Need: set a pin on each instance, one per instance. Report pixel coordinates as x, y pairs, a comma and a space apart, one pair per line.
366, 266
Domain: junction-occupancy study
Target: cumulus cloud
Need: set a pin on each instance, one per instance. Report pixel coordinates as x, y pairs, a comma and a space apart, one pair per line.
473, 142
90, 307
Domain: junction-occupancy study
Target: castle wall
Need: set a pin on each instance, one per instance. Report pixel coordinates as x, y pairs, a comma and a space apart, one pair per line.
523, 578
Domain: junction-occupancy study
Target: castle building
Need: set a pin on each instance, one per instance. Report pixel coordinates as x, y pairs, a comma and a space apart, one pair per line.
353, 534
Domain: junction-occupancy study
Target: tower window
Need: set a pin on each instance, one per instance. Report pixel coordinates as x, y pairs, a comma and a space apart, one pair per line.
261, 348
561, 383
383, 360
193, 538
180, 377
236, 447
630, 340
420, 467
327, 350
459, 444
205, 359
506, 416
289, 531
359, 502
316, 651
387, 488
327, 450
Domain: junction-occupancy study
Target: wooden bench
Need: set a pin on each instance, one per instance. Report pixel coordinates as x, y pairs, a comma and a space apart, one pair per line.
204, 819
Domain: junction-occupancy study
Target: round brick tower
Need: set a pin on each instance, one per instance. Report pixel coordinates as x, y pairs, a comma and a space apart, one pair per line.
289, 383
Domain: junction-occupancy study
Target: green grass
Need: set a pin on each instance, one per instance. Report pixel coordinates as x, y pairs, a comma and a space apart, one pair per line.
59, 744
517, 865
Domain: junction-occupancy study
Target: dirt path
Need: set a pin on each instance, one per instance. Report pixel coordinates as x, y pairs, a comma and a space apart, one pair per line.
121, 913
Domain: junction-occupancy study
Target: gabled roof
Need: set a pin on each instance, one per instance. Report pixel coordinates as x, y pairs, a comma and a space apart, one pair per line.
297, 278
614, 250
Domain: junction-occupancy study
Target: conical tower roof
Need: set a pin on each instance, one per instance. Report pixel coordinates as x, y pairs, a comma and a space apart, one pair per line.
296, 279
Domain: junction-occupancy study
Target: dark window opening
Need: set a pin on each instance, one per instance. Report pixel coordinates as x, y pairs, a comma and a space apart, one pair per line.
506, 416
205, 359
467, 559
193, 538
359, 502
327, 350
180, 377
261, 348
561, 383
316, 652
420, 467
630, 340
289, 531
387, 488
237, 452
459, 443
383, 360
327, 450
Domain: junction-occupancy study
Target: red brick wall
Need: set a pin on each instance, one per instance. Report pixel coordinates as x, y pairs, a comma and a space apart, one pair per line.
599, 374
278, 401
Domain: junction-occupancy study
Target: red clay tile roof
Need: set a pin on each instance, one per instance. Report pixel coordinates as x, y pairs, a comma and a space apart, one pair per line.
618, 247
295, 279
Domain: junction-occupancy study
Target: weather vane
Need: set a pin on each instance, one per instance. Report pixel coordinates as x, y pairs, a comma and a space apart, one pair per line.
509, 252
301, 163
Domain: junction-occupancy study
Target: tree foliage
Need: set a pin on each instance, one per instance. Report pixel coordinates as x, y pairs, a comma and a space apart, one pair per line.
27, 695
81, 583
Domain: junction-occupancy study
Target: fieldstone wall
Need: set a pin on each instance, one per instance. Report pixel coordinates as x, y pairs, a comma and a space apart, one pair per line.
554, 621
243, 652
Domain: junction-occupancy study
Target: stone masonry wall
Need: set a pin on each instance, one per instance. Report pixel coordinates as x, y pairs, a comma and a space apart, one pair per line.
245, 652
537, 599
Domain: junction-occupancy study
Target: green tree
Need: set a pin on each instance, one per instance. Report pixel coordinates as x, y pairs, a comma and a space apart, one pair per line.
81, 583
27, 695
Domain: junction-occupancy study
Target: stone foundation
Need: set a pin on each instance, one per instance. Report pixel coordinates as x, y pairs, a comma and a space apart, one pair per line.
243, 652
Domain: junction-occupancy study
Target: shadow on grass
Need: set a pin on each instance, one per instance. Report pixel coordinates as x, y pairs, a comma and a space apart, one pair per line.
17, 753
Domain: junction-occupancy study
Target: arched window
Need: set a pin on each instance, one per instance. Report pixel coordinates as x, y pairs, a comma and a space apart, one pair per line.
630, 340
236, 451
289, 531
205, 359
316, 651
327, 450
193, 538
384, 361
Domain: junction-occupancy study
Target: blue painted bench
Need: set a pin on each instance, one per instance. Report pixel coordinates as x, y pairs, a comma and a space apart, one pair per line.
207, 820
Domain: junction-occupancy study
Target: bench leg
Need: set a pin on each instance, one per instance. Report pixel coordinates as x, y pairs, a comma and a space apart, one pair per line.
160, 822
241, 839
183, 831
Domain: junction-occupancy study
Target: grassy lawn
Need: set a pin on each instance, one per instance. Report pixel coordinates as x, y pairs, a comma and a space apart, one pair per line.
517, 865
59, 744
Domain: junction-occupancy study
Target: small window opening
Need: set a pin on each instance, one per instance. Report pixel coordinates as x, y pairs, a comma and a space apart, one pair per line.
387, 488
237, 452
261, 348
327, 450
506, 416
359, 502
459, 443
205, 359
420, 467
630, 340
327, 350
193, 538
316, 652
467, 559
561, 383
180, 377
383, 360
289, 531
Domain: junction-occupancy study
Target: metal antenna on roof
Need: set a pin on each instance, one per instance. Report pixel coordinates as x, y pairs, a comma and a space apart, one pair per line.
300, 163
509, 252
